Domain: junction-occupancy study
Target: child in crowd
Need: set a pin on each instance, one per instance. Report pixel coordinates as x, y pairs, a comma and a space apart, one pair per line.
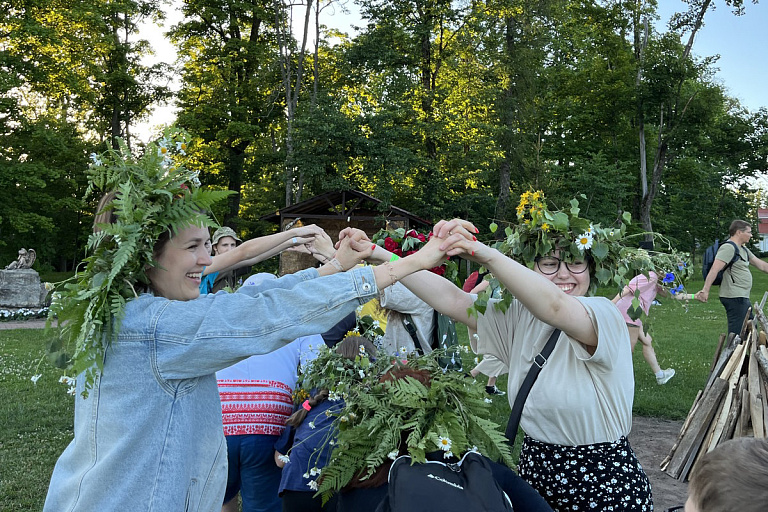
489, 365
304, 442
646, 287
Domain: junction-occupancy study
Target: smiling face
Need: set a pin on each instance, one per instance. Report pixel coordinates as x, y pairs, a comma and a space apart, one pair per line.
576, 284
180, 265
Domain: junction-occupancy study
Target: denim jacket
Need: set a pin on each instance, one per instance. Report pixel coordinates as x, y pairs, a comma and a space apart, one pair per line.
149, 436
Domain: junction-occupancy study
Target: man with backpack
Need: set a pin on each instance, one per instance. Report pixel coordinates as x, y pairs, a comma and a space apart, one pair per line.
736, 279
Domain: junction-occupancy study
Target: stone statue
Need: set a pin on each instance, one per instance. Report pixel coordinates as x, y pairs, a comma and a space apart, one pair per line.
25, 260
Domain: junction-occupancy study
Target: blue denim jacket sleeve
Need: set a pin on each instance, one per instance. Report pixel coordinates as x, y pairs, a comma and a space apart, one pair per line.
199, 337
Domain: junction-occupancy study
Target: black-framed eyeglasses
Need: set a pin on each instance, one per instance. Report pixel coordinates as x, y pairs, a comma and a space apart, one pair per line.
549, 265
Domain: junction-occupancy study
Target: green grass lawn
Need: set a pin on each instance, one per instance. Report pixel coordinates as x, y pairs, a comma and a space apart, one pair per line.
36, 419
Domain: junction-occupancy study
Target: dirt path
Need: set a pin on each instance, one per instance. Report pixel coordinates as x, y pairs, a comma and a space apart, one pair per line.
23, 324
651, 439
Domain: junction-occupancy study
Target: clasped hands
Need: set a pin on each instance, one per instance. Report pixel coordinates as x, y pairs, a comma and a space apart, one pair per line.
450, 238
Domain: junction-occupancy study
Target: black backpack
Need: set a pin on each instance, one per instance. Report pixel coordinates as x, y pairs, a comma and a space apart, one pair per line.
444, 487
709, 259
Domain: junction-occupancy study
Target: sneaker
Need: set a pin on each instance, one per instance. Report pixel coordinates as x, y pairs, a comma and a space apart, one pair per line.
493, 390
666, 375
655, 303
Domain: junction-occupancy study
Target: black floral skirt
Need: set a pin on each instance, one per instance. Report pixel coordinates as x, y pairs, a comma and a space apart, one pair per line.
602, 476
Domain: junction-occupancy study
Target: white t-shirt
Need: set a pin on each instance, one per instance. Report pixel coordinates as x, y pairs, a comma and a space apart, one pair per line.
578, 399
399, 298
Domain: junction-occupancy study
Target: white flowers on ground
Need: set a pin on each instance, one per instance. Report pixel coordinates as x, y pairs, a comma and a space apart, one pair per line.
584, 241
35, 378
444, 443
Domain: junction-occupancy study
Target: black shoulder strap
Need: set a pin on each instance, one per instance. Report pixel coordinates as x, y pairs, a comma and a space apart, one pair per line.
736, 256
411, 328
538, 363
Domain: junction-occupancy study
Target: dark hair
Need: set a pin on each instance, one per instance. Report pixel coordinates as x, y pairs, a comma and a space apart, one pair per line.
738, 225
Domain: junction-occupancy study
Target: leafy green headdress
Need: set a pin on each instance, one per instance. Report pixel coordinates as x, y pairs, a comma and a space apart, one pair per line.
154, 194
385, 416
615, 260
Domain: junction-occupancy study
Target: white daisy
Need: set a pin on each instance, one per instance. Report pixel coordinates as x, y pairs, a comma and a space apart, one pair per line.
584, 241
444, 443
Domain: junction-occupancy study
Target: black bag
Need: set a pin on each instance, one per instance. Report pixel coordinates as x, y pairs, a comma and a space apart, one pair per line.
444, 487
709, 258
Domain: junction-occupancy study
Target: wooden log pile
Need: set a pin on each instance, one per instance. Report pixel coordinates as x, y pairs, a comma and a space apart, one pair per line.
734, 402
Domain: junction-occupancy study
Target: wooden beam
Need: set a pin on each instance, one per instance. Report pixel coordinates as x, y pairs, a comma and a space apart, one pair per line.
755, 398
681, 461
717, 351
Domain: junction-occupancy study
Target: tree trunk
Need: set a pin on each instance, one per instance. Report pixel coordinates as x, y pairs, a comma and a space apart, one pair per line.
235, 165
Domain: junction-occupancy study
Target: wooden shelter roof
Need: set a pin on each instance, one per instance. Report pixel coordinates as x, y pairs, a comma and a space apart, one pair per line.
342, 205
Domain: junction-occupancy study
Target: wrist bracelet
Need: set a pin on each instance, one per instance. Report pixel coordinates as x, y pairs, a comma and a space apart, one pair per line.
336, 264
394, 257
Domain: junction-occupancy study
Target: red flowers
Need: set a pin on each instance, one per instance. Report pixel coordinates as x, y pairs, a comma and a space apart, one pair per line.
390, 244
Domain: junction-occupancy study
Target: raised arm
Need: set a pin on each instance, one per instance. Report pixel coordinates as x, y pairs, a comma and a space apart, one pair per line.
258, 249
438, 292
538, 294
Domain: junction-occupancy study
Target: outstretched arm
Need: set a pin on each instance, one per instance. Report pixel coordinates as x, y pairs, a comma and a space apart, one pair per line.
438, 292
537, 293
703, 294
757, 262
258, 249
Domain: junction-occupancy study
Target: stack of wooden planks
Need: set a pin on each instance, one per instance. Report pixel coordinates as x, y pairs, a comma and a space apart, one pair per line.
733, 402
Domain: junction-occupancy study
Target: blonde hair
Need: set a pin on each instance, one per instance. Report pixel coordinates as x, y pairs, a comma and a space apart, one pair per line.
733, 476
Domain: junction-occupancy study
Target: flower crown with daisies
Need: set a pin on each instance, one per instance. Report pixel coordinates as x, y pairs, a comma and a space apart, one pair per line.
385, 415
154, 194
612, 258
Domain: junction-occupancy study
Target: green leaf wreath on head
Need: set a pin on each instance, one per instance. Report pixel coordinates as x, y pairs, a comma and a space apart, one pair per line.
614, 259
154, 194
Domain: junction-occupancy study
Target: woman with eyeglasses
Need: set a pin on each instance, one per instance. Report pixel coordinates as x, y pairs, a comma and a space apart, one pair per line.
578, 414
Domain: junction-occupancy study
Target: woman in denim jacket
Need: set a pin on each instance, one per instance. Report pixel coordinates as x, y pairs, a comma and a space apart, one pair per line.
148, 436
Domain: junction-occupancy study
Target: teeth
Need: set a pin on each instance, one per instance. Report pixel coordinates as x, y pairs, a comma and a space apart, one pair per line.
195, 275
565, 287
